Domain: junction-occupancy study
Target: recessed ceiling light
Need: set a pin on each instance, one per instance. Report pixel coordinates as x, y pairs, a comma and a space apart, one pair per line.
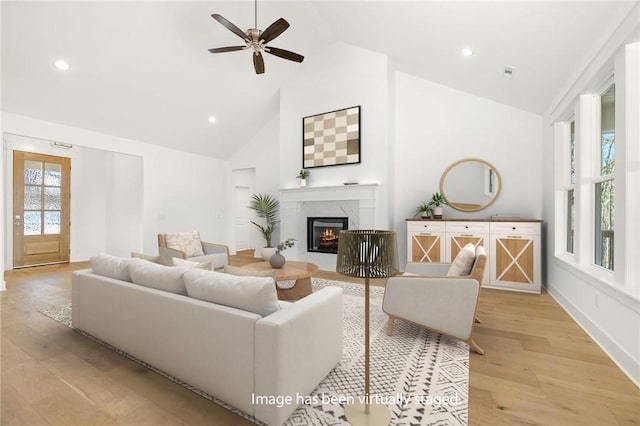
466, 51
62, 65
212, 119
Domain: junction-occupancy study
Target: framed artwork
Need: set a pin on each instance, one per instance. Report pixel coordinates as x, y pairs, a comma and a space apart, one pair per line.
331, 138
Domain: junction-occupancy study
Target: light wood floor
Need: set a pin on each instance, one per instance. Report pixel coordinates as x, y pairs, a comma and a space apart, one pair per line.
540, 368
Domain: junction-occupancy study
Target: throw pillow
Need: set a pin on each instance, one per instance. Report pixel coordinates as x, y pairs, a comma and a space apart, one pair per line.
189, 264
252, 294
160, 277
188, 242
241, 272
463, 262
154, 259
111, 266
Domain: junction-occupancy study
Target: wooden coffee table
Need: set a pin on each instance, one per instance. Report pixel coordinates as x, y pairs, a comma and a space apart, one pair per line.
292, 270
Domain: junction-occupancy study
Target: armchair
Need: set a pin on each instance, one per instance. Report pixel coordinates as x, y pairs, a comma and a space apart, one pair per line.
188, 246
428, 298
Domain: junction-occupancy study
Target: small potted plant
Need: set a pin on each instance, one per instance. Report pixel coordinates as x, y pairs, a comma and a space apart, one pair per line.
303, 175
424, 210
437, 200
278, 260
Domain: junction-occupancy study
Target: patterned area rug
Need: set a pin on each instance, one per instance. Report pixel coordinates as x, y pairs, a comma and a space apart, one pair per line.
422, 377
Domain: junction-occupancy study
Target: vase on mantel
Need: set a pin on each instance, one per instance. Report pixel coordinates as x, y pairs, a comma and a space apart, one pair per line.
277, 260
303, 183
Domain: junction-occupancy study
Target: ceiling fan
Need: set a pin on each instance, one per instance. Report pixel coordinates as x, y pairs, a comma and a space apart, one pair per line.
256, 40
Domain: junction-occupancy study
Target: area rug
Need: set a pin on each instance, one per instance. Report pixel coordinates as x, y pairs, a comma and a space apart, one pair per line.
423, 377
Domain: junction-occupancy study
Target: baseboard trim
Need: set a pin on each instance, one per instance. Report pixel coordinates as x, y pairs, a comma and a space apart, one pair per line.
618, 355
3, 285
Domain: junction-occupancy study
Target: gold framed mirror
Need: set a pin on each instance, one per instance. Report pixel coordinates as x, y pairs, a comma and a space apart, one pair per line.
470, 185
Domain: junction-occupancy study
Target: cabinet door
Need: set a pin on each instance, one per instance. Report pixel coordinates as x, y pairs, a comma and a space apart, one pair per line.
516, 262
456, 242
425, 241
425, 247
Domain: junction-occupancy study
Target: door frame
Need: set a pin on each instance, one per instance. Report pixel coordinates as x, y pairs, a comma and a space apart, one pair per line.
18, 198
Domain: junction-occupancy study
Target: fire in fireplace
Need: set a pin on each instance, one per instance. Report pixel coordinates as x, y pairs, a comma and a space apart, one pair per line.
323, 233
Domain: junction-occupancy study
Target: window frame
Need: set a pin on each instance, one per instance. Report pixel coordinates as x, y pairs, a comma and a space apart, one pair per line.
596, 177
587, 123
563, 186
622, 68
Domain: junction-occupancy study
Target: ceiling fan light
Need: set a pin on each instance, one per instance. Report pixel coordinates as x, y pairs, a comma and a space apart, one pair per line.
465, 51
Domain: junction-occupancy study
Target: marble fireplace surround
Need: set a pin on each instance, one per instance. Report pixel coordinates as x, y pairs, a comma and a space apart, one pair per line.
357, 202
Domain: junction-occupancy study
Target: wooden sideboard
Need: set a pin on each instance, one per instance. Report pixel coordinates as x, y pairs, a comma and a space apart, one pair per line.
513, 248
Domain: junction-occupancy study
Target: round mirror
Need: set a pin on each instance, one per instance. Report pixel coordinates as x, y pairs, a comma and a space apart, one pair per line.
470, 185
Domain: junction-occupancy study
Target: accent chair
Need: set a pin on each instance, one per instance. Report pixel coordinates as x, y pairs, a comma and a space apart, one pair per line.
188, 246
426, 296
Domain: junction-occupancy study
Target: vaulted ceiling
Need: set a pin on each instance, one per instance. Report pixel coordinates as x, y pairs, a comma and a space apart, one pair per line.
141, 70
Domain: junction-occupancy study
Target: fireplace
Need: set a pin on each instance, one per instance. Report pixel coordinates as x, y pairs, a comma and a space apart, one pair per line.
322, 233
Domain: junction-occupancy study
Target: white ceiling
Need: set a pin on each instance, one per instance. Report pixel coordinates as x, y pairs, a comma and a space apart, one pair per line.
141, 70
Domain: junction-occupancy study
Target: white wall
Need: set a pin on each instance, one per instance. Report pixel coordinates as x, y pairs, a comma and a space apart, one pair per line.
181, 191
437, 126
2, 198
124, 208
337, 77
262, 155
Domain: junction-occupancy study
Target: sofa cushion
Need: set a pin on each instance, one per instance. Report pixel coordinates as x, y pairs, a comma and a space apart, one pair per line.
241, 272
463, 262
218, 260
157, 276
111, 266
190, 264
252, 294
188, 242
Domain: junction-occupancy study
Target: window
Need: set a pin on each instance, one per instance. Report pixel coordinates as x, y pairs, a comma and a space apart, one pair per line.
604, 185
570, 210
596, 178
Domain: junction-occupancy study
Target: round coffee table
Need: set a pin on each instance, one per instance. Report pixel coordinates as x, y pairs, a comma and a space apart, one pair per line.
292, 270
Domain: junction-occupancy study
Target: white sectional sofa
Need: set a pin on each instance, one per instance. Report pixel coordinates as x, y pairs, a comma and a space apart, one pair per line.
236, 355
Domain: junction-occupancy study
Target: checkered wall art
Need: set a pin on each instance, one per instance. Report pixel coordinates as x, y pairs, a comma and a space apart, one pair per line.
331, 138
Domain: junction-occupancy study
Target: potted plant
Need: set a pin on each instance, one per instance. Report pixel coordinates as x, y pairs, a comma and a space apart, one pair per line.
437, 200
303, 175
424, 210
278, 260
266, 207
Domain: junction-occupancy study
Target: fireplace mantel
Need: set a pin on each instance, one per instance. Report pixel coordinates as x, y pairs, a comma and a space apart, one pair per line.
329, 193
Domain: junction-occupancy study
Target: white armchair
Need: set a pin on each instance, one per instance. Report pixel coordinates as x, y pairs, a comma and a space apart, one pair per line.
429, 298
188, 246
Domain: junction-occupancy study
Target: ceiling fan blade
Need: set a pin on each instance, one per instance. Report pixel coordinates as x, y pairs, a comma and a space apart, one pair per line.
258, 63
292, 56
274, 30
228, 25
227, 49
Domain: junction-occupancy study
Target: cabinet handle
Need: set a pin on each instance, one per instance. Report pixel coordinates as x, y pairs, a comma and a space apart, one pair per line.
514, 236
466, 227
514, 228
425, 233
466, 235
